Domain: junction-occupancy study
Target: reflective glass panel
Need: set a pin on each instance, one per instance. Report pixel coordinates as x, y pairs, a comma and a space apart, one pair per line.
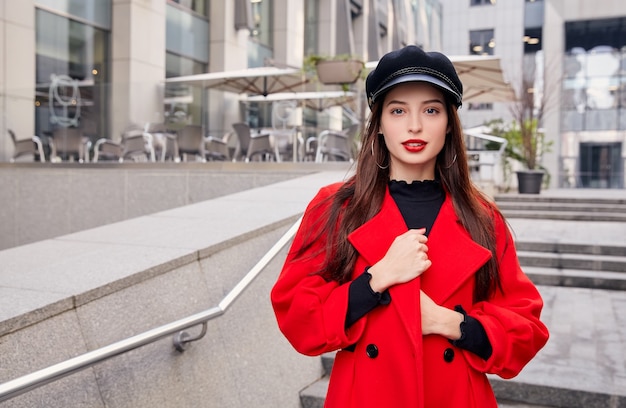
183, 103
97, 12
187, 34
602, 93
72, 76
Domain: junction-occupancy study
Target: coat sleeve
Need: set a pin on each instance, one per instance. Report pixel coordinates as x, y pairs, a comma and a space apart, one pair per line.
511, 318
311, 311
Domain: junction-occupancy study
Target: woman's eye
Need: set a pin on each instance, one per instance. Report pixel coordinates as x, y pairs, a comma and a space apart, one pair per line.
397, 111
431, 111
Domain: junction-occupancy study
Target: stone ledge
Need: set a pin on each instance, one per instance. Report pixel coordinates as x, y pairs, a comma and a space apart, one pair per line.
46, 278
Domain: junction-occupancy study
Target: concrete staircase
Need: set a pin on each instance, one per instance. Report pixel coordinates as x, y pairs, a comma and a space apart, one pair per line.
563, 208
553, 261
562, 262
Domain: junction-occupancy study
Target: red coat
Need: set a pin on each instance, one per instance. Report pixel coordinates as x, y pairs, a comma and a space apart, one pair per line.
409, 370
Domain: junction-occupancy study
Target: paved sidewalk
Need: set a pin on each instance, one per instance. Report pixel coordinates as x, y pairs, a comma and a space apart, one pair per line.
585, 358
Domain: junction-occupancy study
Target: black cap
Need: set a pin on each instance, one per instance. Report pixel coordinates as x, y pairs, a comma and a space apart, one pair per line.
410, 64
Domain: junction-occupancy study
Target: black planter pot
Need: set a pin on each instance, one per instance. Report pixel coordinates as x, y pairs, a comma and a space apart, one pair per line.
529, 181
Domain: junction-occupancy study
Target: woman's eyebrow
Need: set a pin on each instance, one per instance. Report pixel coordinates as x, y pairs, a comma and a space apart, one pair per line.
401, 102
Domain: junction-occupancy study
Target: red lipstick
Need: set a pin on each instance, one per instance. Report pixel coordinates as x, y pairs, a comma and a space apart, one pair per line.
414, 145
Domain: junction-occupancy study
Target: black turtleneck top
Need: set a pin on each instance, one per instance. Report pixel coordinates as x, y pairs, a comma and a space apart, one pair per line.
419, 203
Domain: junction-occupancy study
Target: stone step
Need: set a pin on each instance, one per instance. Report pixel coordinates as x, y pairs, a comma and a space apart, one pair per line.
584, 200
571, 248
509, 393
585, 262
577, 278
584, 208
566, 215
564, 206
313, 396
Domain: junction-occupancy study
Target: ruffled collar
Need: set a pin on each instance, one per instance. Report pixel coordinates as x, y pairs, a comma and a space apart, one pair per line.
417, 190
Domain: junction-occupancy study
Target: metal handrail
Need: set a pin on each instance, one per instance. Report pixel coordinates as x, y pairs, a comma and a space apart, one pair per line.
55, 372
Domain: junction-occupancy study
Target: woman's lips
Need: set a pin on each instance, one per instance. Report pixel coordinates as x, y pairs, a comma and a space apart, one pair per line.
414, 145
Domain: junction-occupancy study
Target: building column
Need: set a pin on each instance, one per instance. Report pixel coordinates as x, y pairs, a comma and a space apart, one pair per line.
137, 63
289, 32
553, 76
17, 72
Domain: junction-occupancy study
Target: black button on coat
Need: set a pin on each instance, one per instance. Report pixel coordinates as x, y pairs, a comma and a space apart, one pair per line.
448, 355
371, 350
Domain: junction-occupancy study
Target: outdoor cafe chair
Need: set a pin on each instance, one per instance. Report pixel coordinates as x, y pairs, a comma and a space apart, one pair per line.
216, 148
163, 141
191, 141
136, 145
69, 144
251, 146
24, 147
333, 146
285, 129
106, 149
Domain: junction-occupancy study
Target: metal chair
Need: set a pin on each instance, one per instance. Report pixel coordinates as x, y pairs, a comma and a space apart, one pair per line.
191, 142
333, 146
251, 146
284, 118
25, 147
69, 144
216, 148
163, 140
106, 149
136, 145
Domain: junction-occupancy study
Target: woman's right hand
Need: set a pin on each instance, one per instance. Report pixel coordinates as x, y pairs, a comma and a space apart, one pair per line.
406, 259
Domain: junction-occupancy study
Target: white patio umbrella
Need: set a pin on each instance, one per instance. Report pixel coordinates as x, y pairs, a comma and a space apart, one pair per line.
314, 100
251, 81
482, 78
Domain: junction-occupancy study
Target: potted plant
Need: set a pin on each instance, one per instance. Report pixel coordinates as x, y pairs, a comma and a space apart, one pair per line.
526, 143
337, 70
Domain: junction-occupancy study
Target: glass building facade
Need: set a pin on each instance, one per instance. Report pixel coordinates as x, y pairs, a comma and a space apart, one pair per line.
80, 73
72, 66
594, 103
187, 53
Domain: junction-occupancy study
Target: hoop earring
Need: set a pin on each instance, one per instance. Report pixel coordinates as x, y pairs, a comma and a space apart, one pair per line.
451, 164
374, 157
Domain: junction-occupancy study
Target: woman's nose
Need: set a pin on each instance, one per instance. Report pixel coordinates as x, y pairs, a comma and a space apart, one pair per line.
415, 123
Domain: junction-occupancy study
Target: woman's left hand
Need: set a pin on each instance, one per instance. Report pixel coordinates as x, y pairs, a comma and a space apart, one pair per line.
438, 319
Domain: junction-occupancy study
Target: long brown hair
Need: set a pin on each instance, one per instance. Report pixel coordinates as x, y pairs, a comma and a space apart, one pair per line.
361, 197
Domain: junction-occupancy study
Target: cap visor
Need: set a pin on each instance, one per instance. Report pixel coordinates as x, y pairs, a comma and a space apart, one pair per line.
418, 78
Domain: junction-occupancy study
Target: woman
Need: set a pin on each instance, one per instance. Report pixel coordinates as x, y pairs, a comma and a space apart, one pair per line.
407, 269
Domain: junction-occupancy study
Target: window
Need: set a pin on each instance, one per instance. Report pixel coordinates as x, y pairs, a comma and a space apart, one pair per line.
311, 23
187, 53
532, 40
261, 43
72, 75
187, 34
482, 42
480, 106
588, 34
594, 75
197, 6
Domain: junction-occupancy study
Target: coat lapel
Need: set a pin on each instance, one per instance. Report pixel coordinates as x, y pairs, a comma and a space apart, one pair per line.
372, 240
455, 256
